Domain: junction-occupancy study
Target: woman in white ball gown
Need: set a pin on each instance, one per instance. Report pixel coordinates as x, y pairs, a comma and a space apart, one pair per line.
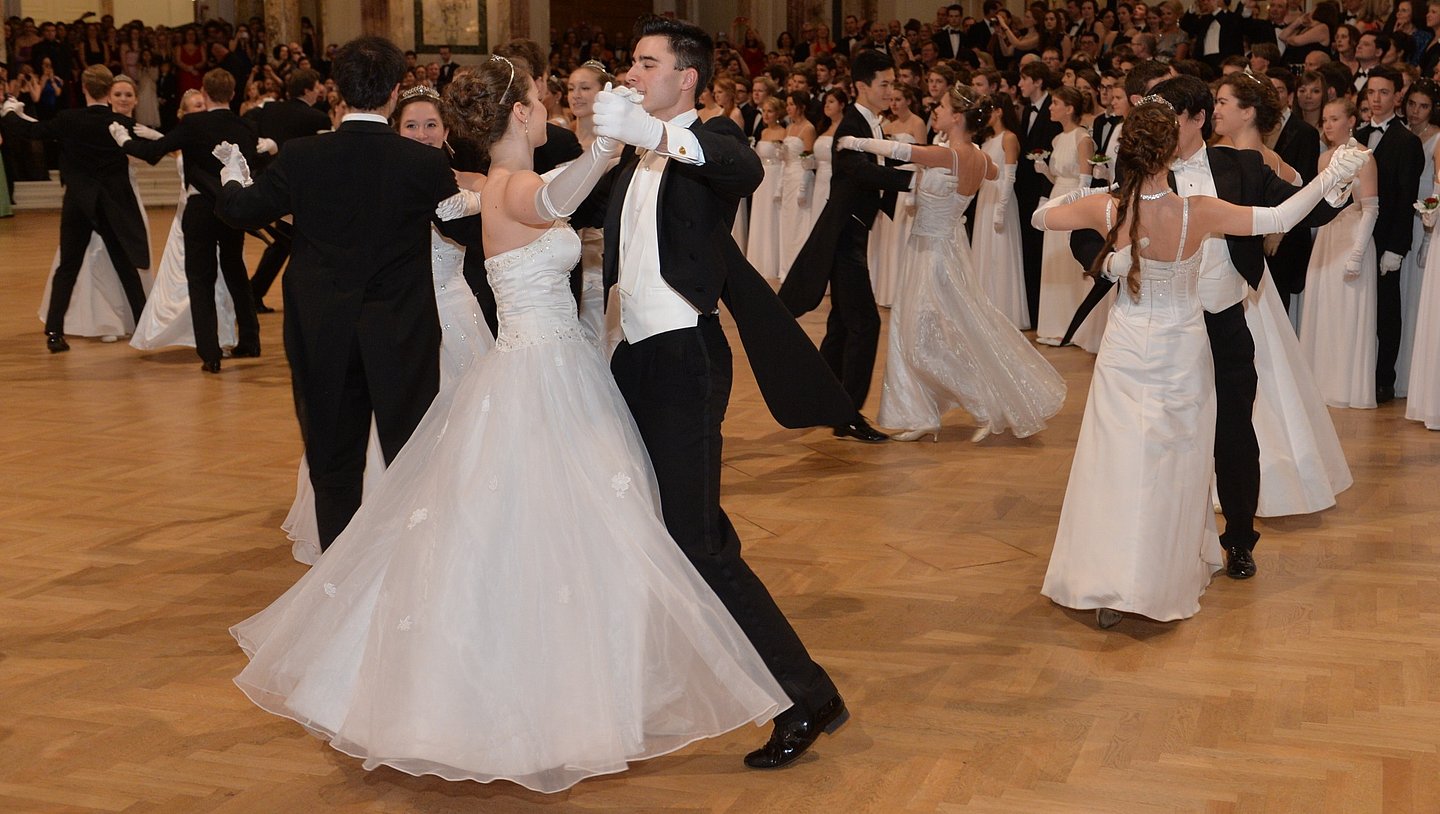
419, 116
1137, 533
507, 604
949, 346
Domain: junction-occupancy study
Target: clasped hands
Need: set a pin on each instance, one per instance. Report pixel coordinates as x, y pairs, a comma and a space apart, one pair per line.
619, 117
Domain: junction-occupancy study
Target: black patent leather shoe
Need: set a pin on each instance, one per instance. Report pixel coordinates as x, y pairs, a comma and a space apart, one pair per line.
792, 738
262, 308
860, 430
211, 367
56, 342
244, 353
1239, 564
1384, 394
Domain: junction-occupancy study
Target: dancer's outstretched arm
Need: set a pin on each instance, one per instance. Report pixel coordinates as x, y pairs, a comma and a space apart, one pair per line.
530, 199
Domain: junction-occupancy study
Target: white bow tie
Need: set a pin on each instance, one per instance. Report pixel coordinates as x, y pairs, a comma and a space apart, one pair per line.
1194, 162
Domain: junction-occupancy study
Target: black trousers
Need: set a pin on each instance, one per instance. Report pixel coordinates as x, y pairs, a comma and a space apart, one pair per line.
1099, 287
75, 229
381, 381
677, 385
1032, 250
272, 260
205, 237
1237, 452
1387, 327
852, 332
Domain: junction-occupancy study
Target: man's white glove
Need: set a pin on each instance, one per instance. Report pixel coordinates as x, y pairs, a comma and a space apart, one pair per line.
462, 204
119, 133
264, 145
233, 167
619, 115
1117, 265
11, 105
898, 150
148, 133
1390, 261
1339, 175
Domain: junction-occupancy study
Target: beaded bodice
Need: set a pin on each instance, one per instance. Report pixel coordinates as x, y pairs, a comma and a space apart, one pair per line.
532, 290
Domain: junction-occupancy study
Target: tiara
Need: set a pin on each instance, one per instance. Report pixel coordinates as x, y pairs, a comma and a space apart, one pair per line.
1251, 75
597, 65
424, 91
512, 74
1159, 100
120, 77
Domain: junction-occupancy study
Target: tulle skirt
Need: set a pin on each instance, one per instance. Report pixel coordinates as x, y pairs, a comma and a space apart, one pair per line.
508, 603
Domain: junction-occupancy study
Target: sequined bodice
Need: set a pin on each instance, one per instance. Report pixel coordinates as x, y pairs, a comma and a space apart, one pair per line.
447, 262
532, 290
938, 206
769, 152
1168, 288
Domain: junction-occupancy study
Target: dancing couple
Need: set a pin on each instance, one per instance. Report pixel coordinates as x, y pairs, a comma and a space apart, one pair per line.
543, 586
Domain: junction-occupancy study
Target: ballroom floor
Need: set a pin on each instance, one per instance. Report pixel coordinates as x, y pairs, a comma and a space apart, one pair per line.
142, 519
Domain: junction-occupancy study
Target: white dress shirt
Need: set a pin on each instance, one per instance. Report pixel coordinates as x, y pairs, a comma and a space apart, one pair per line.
1379, 131
1212, 38
1220, 285
648, 305
365, 117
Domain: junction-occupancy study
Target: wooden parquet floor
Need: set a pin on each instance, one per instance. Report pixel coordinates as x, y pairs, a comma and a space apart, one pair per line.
141, 512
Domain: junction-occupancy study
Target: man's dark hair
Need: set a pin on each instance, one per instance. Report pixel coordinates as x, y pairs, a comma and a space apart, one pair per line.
827, 60
1040, 72
1337, 78
300, 81
914, 66
1382, 41
1284, 76
869, 62
693, 48
991, 6
1188, 95
1194, 67
528, 50
1385, 72
809, 78
366, 71
1143, 74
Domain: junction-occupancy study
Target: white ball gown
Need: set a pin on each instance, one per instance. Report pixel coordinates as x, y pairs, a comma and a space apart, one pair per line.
824, 171
1412, 276
464, 336
166, 321
1063, 285
1137, 530
1422, 402
888, 236
762, 247
1302, 465
1337, 333
98, 306
507, 603
796, 184
997, 254
948, 345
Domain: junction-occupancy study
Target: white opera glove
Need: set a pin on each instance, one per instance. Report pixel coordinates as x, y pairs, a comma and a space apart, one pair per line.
1117, 265
807, 183
1006, 183
1423, 252
148, 133
1390, 261
898, 150
119, 133
264, 145
619, 115
1369, 213
567, 190
1428, 219
462, 204
1042, 167
233, 167
1037, 218
1351, 157
1344, 164
1100, 171
1085, 180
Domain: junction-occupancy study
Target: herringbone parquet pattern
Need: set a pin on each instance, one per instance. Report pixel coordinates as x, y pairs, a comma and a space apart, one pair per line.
140, 519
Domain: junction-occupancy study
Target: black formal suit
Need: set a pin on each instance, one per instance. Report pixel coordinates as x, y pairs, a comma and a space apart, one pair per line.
951, 42
836, 254
979, 34
677, 383
1399, 162
205, 234
1030, 187
98, 198
1232, 35
1298, 145
361, 329
750, 114
447, 75
561, 146
282, 122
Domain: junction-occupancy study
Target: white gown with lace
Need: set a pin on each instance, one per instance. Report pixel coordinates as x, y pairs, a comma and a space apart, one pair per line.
464, 336
166, 320
1137, 531
762, 247
98, 306
948, 345
507, 604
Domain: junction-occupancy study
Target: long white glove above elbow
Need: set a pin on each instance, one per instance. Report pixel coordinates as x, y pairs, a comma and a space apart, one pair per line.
234, 167
1037, 218
898, 150
567, 190
1369, 213
620, 116
1002, 203
1344, 164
